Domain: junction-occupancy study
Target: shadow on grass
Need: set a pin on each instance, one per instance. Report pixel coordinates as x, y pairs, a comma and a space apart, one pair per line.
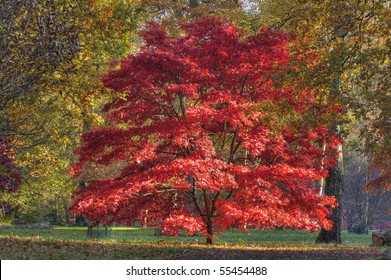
16, 248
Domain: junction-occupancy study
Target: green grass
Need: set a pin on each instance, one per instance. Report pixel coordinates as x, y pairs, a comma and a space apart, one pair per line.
290, 237
253, 237
139, 243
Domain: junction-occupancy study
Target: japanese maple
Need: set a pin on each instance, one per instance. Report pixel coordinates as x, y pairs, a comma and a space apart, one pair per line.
207, 136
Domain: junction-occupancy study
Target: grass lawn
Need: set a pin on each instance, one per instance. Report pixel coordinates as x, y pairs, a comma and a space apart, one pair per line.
253, 237
139, 243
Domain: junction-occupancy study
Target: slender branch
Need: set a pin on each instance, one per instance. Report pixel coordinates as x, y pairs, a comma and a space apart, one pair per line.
194, 198
208, 208
233, 148
213, 212
236, 148
224, 133
170, 153
229, 195
160, 191
182, 104
244, 83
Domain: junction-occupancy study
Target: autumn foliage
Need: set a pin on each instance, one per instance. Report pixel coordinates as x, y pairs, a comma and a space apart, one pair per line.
208, 135
10, 178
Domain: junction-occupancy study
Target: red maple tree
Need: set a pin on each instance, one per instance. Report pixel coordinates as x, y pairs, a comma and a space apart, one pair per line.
207, 136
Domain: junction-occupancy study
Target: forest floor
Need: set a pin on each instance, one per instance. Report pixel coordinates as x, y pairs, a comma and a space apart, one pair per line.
135, 243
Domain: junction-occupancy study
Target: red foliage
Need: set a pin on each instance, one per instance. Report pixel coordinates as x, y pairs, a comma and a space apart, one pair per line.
209, 137
10, 178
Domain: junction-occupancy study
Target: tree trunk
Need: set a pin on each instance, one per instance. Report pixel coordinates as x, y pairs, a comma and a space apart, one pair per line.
333, 187
209, 239
333, 184
210, 230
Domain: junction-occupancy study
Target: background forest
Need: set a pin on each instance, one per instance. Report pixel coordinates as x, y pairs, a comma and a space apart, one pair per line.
53, 53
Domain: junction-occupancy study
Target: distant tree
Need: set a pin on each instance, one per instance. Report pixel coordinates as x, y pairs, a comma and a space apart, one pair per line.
362, 210
208, 136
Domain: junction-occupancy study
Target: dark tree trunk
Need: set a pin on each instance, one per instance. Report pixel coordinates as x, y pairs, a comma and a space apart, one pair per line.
333, 187
210, 230
333, 184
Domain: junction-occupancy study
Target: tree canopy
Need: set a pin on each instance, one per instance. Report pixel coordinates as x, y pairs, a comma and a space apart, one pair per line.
207, 135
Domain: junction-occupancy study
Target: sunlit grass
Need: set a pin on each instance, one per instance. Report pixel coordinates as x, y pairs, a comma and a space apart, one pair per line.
139, 234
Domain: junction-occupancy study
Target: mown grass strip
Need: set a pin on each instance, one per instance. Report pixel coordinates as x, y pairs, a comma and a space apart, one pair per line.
257, 237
